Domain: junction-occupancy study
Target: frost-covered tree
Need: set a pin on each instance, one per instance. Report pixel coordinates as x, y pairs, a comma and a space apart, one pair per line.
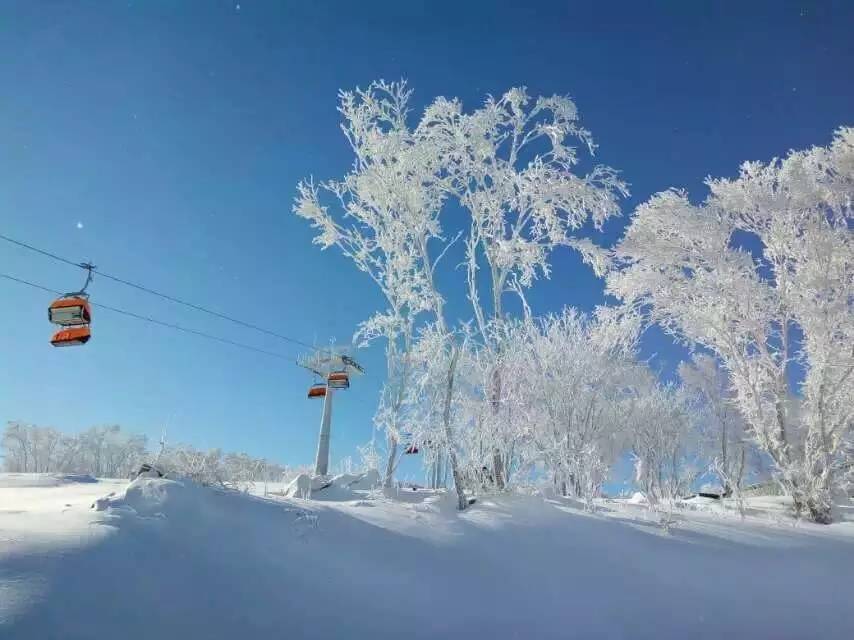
578, 380
99, 451
512, 165
384, 217
710, 393
761, 274
663, 434
436, 407
16, 452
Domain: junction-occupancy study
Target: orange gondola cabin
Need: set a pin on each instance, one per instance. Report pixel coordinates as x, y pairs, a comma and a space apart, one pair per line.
70, 311
71, 337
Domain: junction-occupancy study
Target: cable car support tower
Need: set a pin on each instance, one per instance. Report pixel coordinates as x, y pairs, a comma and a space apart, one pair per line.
333, 368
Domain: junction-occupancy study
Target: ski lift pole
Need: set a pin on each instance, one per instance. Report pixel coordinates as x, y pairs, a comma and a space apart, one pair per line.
336, 369
321, 464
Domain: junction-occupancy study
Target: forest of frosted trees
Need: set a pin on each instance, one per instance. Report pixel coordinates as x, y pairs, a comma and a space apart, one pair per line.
111, 452
756, 280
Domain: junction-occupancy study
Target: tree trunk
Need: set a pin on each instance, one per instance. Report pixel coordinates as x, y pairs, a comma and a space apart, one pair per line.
497, 462
498, 469
817, 507
392, 456
726, 488
811, 489
462, 501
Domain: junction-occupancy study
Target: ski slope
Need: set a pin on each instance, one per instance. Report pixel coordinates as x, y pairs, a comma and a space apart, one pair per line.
174, 560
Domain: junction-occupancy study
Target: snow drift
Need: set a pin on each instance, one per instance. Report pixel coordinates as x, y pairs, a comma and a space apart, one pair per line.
171, 559
148, 496
30, 480
338, 488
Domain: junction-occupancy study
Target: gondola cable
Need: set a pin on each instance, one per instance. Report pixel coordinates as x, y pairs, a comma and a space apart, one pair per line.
153, 292
161, 323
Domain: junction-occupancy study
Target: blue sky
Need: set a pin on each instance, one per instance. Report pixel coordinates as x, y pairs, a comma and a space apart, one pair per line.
175, 132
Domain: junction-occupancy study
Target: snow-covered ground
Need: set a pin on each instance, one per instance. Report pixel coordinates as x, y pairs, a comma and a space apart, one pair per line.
173, 560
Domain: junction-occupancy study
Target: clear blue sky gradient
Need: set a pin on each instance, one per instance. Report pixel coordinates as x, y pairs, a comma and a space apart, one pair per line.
174, 132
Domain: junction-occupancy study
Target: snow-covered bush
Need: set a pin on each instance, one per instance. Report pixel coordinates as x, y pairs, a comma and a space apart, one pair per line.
664, 444
576, 378
215, 468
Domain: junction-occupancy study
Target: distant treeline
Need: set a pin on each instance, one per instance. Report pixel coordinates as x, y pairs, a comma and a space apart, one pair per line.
110, 452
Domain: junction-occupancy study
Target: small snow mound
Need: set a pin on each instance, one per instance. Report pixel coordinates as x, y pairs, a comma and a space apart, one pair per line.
339, 488
102, 504
637, 498
334, 493
368, 480
152, 497
320, 482
300, 487
83, 478
358, 481
346, 479
344, 487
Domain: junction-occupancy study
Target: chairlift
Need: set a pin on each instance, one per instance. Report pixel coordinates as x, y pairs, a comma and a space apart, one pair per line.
317, 390
338, 380
71, 337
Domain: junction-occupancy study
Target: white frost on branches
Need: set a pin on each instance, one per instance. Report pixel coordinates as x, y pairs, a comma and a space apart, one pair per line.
759, 276
762, 275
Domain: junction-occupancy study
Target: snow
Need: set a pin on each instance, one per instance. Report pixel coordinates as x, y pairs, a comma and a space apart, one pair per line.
170, 559
369, 480
299, 487
30, 480
338, 488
